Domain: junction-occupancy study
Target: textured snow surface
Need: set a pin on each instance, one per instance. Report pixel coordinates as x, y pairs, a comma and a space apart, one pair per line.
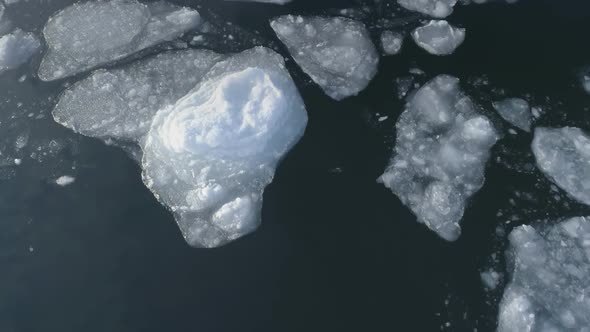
391, 42
434, 8
209, 156
121, 103
516, 111
86, 35
550, 279
17, 48
563, 154
337, 53
438, 37
441, 150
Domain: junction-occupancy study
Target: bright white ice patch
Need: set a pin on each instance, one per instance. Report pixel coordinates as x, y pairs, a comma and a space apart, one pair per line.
88, 34
391, 42
516, 111
563, 154
337, 53
440, 154
209, 156
17, 48
550, 279
65, 180
434, 8
439, 37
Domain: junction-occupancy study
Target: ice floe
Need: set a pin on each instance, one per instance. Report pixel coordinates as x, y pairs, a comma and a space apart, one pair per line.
438, 37
563, 154
441, 150
391, 42
434, 8
16, 48
516, 111
87, 35
550, 279
336, 52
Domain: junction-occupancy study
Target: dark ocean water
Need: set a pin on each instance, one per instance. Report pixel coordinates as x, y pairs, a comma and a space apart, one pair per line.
336, 251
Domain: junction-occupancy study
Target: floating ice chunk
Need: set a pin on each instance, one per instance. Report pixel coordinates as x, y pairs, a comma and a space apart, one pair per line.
337, 53
121, 103
491, 279
209, 156
391, 42
434, 8
563, 154
516, 111
86, 35
550, 279
16, 48
440, 154
65, 180
439, 37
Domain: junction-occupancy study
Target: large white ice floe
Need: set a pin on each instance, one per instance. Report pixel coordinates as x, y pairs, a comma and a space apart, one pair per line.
441, 151
391, 42
434, 8
16, 48
563, 154
89, 34
516, 111
438, 37
209, 156
119, 104
336, 52
550, 279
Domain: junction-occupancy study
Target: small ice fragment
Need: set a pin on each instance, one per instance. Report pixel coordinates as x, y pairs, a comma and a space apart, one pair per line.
434, 8
516, 111
382, 118
490, 279
65, 180
441, 150
439, 37
16, 48
563, 154
336, 52
391, 42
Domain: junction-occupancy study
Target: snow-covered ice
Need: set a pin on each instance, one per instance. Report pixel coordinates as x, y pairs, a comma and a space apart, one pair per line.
441, 150
550, 279
87, 35
434, 8
336, 52
209, 156
563, 154
391, 42
16, 48
438, 37
516, 111
121, 103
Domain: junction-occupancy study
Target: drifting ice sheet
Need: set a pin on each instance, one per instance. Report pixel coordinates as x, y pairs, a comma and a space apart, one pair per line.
391, 42
86, 35
434, 8
439, 37
337, 53
17, 48
440, 154
516, 111
550, 279
120, 104
563, 154
210, 156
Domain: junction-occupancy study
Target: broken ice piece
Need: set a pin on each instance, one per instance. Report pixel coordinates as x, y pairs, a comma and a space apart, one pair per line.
336, 52
434, 8
550, 279
563, 154
391, 42
120, 104
438, 37
209, 156
89, 34
65, 180
16, 48
516, 111
441, 150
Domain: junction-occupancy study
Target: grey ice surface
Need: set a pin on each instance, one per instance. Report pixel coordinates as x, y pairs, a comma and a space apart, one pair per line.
441, 150
439, 37
563, 154
120, 103
550, 279
5, 23
336, 52
16, 48
434, 8
89, 34
209, 157
391, 42
516, 111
